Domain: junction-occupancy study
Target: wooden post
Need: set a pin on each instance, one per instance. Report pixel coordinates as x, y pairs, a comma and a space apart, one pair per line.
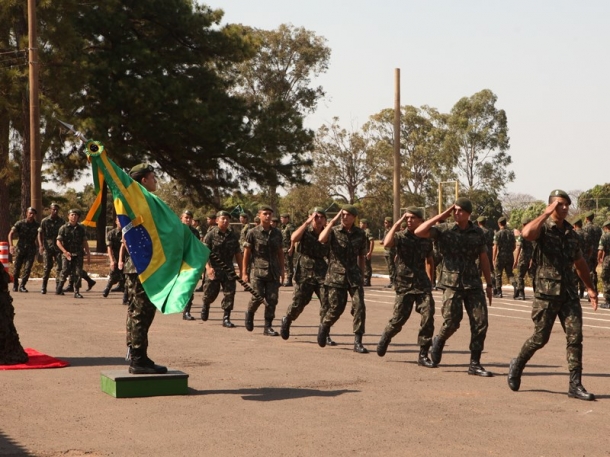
396, 144
35, 156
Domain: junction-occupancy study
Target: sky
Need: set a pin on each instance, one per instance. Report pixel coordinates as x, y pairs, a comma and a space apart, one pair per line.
546, 61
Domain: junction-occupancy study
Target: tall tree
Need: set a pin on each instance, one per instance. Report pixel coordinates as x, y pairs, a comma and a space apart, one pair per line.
595, 198
478, 136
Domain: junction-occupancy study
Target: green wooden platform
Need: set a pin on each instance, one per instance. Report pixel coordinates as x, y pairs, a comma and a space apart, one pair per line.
122, 384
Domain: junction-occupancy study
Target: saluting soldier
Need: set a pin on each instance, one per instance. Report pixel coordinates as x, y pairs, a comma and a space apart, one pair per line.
72, 241
27, 231
223, 242
503, 260
287, 230
47, 244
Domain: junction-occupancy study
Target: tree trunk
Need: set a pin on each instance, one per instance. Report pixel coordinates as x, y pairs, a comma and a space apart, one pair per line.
25, 156
5, 223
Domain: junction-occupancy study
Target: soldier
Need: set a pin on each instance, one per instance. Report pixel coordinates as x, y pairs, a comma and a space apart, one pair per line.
287, 230
141, 311
389, 253
489, 242
581, 239
503, 260
72, 242
211, 221
412, 284
27, 231
603, 258
47, 244
187, 219
370, 245
523, 258
274, 222
224, 243
310, 272
554, 292
114, 239
461, 243
592, 236
347, 249
263, 247
245, 226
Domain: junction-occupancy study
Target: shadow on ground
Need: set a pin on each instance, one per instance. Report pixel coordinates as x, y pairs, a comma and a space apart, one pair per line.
274, 393
10, 447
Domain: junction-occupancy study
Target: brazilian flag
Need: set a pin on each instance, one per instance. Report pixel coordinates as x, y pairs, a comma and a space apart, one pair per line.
169, 259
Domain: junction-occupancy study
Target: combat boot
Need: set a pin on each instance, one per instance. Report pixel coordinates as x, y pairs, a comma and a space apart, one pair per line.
43, 289
186, 314
423, 360
249, 321
323, 335
329, 341
358, 347
436, 352
106, 291
475, 368
117, 289
205, 312
77, 293
515, 370
383, 344
269, 330
515, 292
577, 390
15, 284
226, 319
59, 289
605, 304
141, 364
90, 284
22, 287
285, 328
70, 287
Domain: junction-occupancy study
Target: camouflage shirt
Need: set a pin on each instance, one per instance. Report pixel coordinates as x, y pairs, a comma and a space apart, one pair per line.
114, 240
388, 252
49, 228
287, 231
242, 235
504, 240
72, 238
345, 248
460, 250
27, 233
581, 238
264, 250
369, 238
592, 236
311, 259
604, 245
411, 255
527, 249
554, 255
224, 245
489, 240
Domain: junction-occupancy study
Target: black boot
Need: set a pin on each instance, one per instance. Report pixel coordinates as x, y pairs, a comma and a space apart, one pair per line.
423, 360
269, 330
358, 347
329, 341
125, 297
436, 352
515, 370
249, 322
226, 319
59, 289
322, 335
22, 287
383, 344
15, 284
106, 291
515, 292
141, 364
77, 294
186, 314
118, 288
205, 312
577, 390
285, 329
476, 368
90, 284
43, 289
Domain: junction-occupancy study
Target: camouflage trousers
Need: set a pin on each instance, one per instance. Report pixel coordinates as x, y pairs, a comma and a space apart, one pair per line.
522, 270
337, 301
140, 313
52, 257
476, 308
24, 259
403, 306
368, 271
303, 292
115, 276
269, 290
605, 277
544, 313
73, 269
211, 289
592, 264
288, 266
391, 264
504, 266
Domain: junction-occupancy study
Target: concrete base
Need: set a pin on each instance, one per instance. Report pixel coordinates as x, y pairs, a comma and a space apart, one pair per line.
122, 384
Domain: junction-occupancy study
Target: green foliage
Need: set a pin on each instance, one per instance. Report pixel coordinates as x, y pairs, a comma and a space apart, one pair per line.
595, 198
531, 212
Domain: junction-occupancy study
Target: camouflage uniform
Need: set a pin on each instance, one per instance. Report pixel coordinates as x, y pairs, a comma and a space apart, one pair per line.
592, 236
309, 275
504, 240
461, 281
555, 295
344, 276
265, 268
581, 239
368, 268
140, 311
287, 231
412, 286
26, 250
49, 229
604, 245
389, 255
242, 235
72, 238
489, 242
226, 246
523, 263
114, 239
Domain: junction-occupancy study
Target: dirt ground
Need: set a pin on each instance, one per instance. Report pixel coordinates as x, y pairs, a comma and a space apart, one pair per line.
252, 395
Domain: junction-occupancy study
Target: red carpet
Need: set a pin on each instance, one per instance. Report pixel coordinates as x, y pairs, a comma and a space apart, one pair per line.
37, 360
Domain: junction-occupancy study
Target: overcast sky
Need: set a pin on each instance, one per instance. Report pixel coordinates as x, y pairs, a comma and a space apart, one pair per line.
547, 62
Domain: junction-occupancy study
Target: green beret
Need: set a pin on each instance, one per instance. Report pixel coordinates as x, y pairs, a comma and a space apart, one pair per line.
274, 219
187, 212
242, 214
318, 209
54, 205
141, 168
606, 224
75, 211
211, 216
350, 209
481, 219
284, 215
465, 204
388, 219
560, 193
590, 214
265, 208
223, 213
419, 212
364, 221
501, 220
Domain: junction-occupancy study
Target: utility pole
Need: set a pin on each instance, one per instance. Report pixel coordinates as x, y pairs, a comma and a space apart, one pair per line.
35, 157
396, 144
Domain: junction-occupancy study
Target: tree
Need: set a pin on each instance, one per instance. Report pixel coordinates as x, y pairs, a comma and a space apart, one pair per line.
478, 136
595, 198
531, 212
513, 201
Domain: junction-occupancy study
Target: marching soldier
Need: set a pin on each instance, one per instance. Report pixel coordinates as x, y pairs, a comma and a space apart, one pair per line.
592, 236
114, 239
287, 230
187, 219
370, 245
27, 231
47, 244
72, 242
503, 260
523, 259
603, 258
389, 253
